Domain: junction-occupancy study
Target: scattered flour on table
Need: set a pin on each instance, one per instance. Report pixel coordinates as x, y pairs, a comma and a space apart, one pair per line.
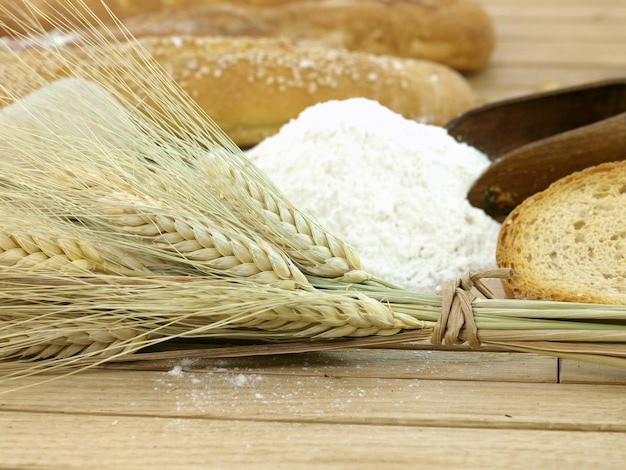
392, 188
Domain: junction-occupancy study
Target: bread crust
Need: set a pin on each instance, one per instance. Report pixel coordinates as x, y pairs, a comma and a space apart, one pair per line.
457, 33
568, 242
251, 87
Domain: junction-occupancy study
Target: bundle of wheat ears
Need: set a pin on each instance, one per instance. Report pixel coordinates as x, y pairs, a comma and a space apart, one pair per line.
130, 219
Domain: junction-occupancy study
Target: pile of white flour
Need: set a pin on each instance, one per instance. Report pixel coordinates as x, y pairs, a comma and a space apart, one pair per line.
392, 188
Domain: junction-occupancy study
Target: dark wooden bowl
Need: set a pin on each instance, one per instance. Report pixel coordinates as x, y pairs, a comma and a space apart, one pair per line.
536, 139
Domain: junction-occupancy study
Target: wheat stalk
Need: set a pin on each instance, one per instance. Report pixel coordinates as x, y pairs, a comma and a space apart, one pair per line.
58, 306
161, 241
202, 305
135, 79
130, 194
71, 319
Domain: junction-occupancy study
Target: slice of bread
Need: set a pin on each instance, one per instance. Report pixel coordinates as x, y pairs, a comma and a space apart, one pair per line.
568, 242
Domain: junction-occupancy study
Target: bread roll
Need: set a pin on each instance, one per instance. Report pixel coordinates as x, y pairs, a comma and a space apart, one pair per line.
568, 242
251, 87
457, 33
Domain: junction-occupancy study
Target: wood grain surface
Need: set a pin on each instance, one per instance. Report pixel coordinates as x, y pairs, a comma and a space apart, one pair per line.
367, 408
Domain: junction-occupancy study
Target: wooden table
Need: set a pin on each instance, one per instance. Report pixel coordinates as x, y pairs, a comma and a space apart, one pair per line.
368, 408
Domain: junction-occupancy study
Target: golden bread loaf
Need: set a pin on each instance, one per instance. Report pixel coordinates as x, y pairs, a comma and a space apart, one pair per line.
458, 33
251, 87
568, 242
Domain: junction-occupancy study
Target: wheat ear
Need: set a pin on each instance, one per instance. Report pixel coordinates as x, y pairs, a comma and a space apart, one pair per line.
32, 240
42, 253
209, 249
315, 250
64, 341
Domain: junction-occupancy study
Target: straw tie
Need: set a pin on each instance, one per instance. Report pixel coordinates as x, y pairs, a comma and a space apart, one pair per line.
456, 307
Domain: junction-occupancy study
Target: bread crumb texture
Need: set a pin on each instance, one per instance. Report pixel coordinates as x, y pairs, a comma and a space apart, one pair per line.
568, 243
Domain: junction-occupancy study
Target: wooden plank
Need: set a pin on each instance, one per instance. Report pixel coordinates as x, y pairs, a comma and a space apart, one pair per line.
519, 29
530, 77
607, 55
540, 36
501, 81
344, 400
584, 12
387, 363
547, 44
531, 4
584, 372
31, 440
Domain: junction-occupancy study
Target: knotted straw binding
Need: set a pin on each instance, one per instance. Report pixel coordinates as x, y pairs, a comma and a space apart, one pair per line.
456, 307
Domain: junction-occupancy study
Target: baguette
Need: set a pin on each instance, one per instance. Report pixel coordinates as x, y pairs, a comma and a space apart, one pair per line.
568, 242
251, 87
457, 33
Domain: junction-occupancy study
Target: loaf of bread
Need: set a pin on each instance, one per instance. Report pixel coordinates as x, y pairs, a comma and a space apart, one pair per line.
251, 87
457, 33
568, 242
